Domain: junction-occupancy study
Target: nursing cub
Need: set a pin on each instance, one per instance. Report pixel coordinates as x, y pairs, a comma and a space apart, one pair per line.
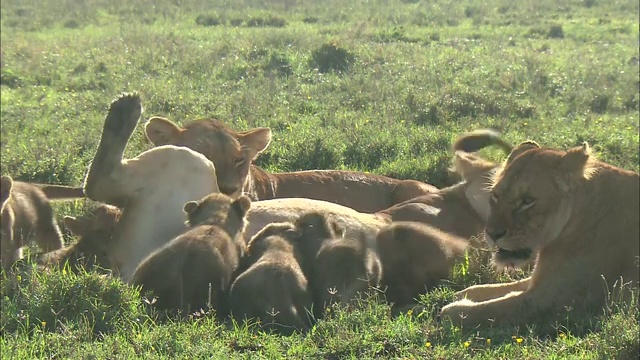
196, 268
273, 289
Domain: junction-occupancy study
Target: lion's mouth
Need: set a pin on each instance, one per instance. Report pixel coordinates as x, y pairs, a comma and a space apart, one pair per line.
513, 256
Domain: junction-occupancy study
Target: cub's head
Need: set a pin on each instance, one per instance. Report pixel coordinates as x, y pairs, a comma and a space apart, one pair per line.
314, 228
94, 231
231, 152
531, 199
220, 210
318, 225
6, 183
273, 236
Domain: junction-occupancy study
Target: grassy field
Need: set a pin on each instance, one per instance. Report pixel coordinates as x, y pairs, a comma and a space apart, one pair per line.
373, 85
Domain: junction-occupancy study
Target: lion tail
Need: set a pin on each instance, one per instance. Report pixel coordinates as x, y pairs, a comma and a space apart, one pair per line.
478, 139
53, 192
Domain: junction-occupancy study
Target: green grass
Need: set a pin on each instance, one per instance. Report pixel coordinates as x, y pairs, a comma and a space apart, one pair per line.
380, 85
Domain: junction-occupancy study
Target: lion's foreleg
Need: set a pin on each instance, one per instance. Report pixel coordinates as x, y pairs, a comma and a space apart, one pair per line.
512, 308
485, 292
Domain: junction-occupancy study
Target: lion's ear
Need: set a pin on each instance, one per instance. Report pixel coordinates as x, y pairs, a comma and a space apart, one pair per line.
242, 204
255, 140
190, 207
338, 229
74, 225
161, 131
524, 146
575, 159
6, 183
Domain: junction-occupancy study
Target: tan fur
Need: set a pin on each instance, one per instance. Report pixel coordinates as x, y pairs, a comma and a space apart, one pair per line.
580, 216
198, 265
90, 252
273, 289
151, 188
415, 258
233, 152
25, 215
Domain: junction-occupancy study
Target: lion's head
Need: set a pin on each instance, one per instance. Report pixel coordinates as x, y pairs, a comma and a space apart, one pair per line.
231, 152
532, 200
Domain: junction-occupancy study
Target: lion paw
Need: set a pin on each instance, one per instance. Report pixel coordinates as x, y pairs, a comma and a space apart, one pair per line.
123, 115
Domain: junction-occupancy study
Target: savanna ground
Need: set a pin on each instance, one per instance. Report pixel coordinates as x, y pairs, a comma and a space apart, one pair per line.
379, 86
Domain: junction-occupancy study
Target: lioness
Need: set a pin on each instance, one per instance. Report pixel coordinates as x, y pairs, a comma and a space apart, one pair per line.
90, 252
151, 188
232, 153
460, 209
197, 266
579, 214
273, 289
26, 215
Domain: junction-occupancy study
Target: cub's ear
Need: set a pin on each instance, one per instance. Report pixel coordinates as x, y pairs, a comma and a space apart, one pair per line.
6, 183
161, 131
190, 207
524, 146
338, 229
575, 159
75, 225
255, 140
242, 204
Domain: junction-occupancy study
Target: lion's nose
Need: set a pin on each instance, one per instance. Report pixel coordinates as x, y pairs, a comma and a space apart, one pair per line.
496, 234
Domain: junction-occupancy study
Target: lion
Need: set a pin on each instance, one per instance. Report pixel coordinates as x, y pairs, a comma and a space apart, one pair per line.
415, 258
461, 209
90, 252
233, 152
274, 288
151, 189
579, 215
197, 266
26, 215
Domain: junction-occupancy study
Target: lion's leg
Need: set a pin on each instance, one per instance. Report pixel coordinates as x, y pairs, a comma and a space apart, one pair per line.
106, 180
479, 293
514, 308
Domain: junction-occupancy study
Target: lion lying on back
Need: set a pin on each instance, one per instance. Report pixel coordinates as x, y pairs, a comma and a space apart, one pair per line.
580, 216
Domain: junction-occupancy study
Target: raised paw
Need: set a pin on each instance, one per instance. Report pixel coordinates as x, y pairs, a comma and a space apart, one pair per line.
123, 115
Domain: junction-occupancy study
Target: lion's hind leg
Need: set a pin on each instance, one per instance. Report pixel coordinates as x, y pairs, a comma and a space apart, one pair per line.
104, 181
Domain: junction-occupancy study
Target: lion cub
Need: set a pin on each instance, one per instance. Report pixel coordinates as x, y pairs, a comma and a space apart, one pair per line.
26, 215
273, 289
181, 271
90, 252
338, 268
415, 258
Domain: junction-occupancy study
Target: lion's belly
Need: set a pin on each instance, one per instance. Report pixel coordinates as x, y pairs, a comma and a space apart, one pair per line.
155, 215
289, 209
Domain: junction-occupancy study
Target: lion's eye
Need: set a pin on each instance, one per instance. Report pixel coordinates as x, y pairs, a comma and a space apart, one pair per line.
494, 198
238, 161
527, 202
